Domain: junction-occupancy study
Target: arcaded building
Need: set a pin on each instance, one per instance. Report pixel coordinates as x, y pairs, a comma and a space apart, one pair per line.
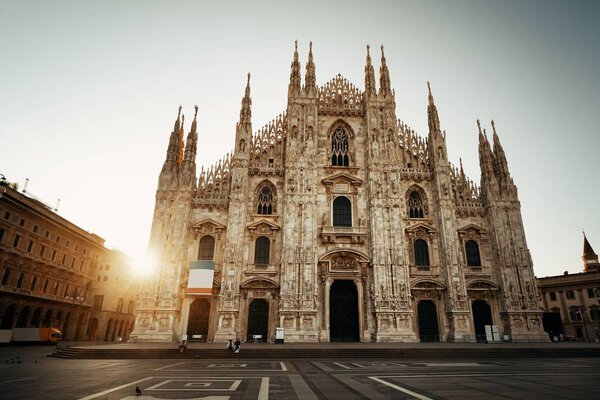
55, 274
337, 222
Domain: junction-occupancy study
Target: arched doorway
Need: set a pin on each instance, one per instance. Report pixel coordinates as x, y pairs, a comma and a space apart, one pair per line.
109, 328
9, 317
199, 318
482, 316
343, 311
92, 329
428, 321
36, 320
23, 319
258, 319
47, 322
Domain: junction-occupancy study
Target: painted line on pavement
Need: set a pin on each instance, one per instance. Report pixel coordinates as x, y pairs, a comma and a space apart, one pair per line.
93, 396
400, 389
263, 393
169, 366
342, 365
301, 388
322, 366
283, 367
17, 380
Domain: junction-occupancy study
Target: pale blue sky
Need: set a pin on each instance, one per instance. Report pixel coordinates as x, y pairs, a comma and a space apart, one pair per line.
89, 92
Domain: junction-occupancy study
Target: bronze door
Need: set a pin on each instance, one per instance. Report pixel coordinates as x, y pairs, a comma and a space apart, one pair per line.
343, 311
482, 316
199, 318
258, 320
428, 323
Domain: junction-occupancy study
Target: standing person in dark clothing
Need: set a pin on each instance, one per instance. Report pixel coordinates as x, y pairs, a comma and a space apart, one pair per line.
237, 345
230, 345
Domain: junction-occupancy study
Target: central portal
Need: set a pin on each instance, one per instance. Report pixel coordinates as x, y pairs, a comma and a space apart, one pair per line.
258, 320
343, 311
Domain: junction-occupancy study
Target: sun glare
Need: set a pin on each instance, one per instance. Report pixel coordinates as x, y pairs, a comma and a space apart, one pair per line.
143, 264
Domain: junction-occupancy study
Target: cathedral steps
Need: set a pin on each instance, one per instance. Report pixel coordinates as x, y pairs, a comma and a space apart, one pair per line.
321, 352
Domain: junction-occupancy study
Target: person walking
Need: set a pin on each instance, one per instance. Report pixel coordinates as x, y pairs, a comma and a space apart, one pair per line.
237, 345
230, 345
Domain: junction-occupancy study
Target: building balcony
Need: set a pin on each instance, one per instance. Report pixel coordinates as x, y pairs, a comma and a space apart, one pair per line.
42, 296
343, 234
419, 270
258, 269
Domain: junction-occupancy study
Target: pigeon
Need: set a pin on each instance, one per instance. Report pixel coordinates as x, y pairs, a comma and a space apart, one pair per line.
138, 392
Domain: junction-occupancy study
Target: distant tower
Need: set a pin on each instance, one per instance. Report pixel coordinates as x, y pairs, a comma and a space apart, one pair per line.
590, 259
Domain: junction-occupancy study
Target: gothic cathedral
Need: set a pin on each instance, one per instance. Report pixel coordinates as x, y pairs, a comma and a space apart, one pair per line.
337, 222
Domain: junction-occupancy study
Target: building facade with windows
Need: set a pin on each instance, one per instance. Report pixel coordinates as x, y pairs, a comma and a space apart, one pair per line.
55, 274
337, 222
571, 302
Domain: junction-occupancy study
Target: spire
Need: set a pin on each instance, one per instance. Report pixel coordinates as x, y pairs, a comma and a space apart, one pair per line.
180, 144
434, 121
502, 164
369, 75
173, 153
189, 158
310, 79
246, 111
485, 155
385, 86
590, 258
294, 86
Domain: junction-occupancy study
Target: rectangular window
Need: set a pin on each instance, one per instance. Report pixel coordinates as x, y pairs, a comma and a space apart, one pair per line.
47, 234
595, 313
63, 259
42, 251
57, 239
130, 308
120, 305
575, 315
97, 304
73, 263
68, 243
7, 215
590, 293
105, 278
22, 222
76, 247
1, 234
30, 246
53, 255
570, 295
35, 229
16, 241
553, 296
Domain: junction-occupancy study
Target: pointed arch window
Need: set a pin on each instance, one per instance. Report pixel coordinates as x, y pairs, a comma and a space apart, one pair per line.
342, 211
206, 249
33, 283
262, 250
5, 276
415, 205
20, 280
266, 201
421, 253
340, 144
473, 257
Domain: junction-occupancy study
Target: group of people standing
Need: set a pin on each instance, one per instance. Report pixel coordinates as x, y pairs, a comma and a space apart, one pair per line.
234, 347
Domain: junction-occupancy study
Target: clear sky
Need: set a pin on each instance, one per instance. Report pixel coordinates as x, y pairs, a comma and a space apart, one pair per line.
89, 91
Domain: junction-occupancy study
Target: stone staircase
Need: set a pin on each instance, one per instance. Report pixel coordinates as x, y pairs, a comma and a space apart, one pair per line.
316, 352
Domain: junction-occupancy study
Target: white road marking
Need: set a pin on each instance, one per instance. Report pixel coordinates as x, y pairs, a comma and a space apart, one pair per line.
400, 388
342, 365
322, 366
169, 366
93, 396
227, 366
466, 364
358, 365
206, 382
263, 393
106, 365
301, 388
283, 367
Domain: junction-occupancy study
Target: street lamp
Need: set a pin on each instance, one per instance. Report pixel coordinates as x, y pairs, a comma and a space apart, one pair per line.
71, 316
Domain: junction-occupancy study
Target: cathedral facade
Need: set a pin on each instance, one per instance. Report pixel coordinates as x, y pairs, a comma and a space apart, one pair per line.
337, 222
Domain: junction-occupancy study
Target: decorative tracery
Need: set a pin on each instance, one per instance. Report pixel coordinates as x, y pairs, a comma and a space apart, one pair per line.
265, 201
415, 205
340, 144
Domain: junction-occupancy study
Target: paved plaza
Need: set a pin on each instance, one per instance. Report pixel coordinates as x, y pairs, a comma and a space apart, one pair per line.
27, 373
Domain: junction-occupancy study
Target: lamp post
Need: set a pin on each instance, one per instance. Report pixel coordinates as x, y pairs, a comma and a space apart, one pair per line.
71, 316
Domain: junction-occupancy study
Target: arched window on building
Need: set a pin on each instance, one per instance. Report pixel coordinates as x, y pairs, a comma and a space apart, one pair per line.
45, 287
262, 249
472, 250
5, 276
342, 211
415, 205
20, 280
33, 283
265, 201
340, 145
206, 249
421, 253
